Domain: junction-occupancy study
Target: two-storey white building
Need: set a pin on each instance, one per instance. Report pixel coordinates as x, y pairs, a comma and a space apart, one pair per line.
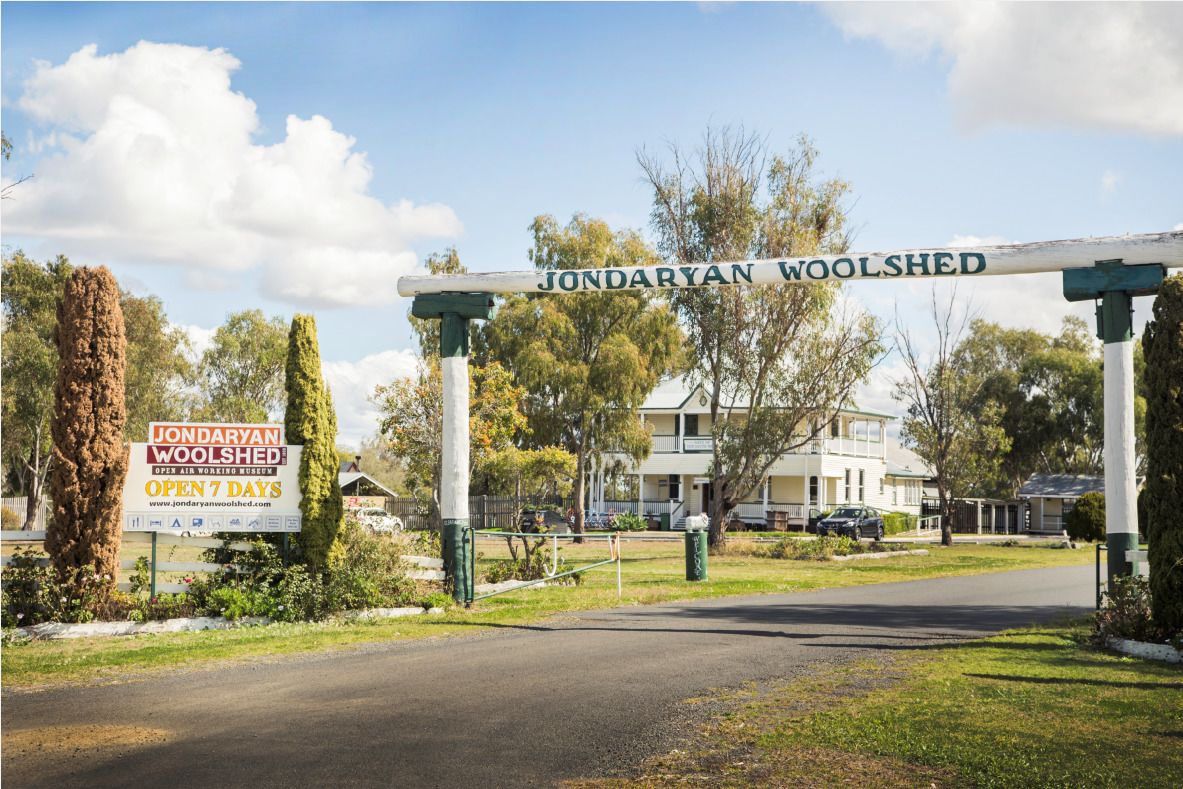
852, 460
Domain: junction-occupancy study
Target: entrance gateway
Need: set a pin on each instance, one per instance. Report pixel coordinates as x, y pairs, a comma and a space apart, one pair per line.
1110, 269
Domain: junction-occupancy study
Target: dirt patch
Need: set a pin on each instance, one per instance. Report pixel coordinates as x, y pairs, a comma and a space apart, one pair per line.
726, 750
79, 740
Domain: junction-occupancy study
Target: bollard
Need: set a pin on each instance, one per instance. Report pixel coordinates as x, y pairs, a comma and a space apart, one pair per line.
696, 548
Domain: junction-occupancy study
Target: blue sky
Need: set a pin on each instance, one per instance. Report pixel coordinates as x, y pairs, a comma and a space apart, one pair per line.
1011, 125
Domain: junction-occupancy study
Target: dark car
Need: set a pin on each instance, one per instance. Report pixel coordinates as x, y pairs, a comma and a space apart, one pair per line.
854, 521
544, 522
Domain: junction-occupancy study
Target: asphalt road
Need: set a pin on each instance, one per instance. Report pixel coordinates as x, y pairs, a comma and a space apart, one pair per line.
584, 696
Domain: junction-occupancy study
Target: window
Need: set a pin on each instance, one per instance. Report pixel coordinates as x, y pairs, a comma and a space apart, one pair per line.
692, 424
881, 486
813, 491
862, 489
846, 487
835, 427
675, 486
895, 487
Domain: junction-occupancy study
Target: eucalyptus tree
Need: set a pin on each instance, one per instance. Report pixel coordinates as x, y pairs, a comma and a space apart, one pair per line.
776, 362
587, 360
241, 375
945, 423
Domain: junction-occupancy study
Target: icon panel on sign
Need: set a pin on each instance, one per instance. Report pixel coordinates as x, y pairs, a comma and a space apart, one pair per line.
235, 523
292, 523
134, 522
273, 522
155, 523
197, 522
217, 523
176, 524
252, 524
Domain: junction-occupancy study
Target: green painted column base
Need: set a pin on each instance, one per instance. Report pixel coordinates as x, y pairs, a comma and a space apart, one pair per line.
459, 580
696, 555
1118, 544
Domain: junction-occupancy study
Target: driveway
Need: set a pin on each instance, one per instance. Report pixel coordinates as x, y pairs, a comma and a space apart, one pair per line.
586, 695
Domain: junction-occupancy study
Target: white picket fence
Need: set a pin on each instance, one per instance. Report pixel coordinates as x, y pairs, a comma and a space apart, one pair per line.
19, 504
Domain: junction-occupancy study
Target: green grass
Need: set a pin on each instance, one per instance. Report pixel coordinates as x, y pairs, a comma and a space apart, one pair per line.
653, 573
1031, 707
1036, 707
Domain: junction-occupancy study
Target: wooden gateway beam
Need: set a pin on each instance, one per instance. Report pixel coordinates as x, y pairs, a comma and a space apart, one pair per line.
1165, 249
1113, 269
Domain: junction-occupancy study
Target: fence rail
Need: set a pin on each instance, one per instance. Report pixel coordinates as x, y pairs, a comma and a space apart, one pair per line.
20, 505
484, 512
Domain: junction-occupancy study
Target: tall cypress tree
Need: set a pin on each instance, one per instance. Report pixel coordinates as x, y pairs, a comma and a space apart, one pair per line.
310, 421
1162, 345
89, 457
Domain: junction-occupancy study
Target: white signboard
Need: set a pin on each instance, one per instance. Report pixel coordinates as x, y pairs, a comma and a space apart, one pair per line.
213, 477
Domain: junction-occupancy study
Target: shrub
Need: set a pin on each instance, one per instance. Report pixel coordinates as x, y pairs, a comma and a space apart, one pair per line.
530, 568
819, 548
628, 521
310, 421
1086, 521
89, 458
437, 600
1163, 346
34, 592
10, 520
898, 522
1125, 611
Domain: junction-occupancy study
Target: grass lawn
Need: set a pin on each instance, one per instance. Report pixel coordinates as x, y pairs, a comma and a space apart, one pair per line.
653, 572
1034, 707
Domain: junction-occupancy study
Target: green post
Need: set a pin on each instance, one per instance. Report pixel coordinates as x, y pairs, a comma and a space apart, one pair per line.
696, 554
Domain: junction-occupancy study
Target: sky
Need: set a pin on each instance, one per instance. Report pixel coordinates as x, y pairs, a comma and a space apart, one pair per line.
300, 157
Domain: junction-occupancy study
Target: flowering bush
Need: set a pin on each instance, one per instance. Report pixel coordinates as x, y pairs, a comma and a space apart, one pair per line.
1125, 612
34, 592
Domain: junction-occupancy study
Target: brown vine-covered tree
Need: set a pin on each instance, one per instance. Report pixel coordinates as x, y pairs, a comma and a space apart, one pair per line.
89, 457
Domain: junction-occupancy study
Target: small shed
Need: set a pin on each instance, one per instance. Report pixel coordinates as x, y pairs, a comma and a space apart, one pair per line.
359, 489
1052, 496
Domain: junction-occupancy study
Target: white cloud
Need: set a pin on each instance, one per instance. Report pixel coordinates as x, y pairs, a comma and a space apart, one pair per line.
1178, 226
149, 157
352, 383
1113, 66
200, 339
1109, 180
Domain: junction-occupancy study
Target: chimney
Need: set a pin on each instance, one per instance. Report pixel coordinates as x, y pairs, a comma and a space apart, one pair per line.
357, 461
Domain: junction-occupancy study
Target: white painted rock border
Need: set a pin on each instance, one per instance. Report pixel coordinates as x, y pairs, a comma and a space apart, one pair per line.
879, 555
58, 630
53, 631
1143, 649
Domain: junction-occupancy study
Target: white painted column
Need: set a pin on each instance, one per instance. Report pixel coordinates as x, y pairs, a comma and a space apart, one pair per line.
1121, 511
454, 479
641, 495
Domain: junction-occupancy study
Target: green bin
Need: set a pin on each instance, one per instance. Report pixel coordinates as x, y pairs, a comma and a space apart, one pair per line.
664, 524
696, 555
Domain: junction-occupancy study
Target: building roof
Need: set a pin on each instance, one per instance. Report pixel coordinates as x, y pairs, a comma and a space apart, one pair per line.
677, 393
349, 477
903, 462
1060, 486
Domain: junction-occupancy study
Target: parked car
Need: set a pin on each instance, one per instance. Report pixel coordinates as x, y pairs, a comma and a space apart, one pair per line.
854, 521
379, 520
544, 522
